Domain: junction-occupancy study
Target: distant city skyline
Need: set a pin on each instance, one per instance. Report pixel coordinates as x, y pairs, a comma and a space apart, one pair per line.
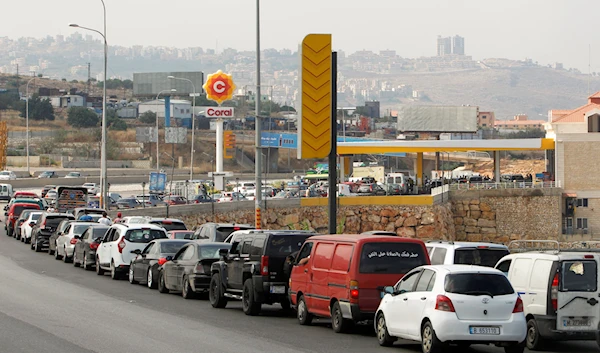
546, 33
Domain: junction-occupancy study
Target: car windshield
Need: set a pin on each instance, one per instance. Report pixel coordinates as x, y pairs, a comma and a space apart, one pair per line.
171, 247
491, 284
391, 257
488, 257
224, 231
144, 235
18, 209
579, 276
211, 251
169, 225
35, 216
4, 173
283, 245
183, 235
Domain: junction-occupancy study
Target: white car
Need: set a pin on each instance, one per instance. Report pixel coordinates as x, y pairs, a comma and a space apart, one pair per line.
65, 243
27, 226
465, 253
93, 188
135, 220
439, 305
72, 175
114, 253
7, 175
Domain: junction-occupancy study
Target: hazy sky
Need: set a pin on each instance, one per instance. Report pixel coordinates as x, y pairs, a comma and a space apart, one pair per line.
547, 31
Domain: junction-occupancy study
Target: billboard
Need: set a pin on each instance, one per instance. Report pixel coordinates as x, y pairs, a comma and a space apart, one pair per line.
145, 134
278, 140
157, 182
430, 118
149, 84
175, 135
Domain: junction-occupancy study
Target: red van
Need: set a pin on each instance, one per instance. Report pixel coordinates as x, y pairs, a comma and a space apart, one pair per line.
343, 276
14, 212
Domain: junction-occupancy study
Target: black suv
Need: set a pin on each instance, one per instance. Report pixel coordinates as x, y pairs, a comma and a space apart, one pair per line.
253, 269
44, 227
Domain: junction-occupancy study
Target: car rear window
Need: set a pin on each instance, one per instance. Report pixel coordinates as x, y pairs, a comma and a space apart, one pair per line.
144, 235
55, 221
80, 228
18, 209
211, 251
36, 216
283, 245
491, 284
168, 225
579, 276
482, 257
183, 235
223, 232
171, 247
391, 257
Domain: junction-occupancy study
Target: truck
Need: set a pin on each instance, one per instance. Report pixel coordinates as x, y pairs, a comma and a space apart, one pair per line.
69, 198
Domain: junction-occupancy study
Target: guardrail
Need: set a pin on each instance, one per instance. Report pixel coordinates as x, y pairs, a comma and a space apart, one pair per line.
510, 185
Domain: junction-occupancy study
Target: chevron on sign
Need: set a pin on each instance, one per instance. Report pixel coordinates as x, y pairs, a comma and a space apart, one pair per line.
315, 124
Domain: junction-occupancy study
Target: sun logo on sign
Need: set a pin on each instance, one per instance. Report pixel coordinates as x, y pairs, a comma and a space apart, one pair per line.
219, 87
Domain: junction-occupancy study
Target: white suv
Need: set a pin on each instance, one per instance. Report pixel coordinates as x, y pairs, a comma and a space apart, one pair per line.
452, 304
465, 253
115, 250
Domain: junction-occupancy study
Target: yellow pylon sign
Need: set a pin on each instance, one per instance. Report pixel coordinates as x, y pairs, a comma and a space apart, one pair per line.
315, 123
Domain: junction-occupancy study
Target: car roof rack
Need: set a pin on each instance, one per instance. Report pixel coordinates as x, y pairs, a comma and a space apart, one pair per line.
440, 241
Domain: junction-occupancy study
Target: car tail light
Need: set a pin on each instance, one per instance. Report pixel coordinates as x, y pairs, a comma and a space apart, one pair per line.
588, 256
354, 290
518, 306
43, 225
94, 246
199, 268
73, 241
443, 303
162, 261
483, 247
554, 292
122, 245
31, 224
264, 265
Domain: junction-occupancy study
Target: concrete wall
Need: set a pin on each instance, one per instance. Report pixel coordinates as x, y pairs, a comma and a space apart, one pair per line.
21, 161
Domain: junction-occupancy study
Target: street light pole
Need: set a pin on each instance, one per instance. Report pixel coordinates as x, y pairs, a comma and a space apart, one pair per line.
27, 122
258, 128
103, 171
193, 121
157, 151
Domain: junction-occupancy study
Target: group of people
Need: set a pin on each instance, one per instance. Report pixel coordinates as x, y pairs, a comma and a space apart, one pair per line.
104, 219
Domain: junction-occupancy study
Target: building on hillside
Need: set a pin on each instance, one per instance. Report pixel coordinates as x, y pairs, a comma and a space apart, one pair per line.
576, 164
458, 45
444, 46
180, 109
486, 120
374, 109
519, 122
68, 101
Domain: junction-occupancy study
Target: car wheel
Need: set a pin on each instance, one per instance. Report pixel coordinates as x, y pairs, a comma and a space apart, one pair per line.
31, 245
215, 293
429, 341
304, 317
338, 323
150, 279
84, 263
75, 260
66, 259
533, 340
187, 292
9, 232
516, 348
56, 255
161, 283
132, 275
249, 304
114, 274
37, 247
383, 336
99, 270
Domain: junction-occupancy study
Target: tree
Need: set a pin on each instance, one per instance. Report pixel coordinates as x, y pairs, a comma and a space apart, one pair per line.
39, 109
81, 117
113, 121
148, 117
287, 108
202, 101
9, 100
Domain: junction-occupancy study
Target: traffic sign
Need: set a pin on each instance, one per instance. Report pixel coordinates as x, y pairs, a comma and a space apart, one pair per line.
315, 123
219, 87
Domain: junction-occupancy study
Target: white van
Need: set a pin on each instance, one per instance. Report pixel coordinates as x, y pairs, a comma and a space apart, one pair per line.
559, 289
6, 191
400, 179
465, 253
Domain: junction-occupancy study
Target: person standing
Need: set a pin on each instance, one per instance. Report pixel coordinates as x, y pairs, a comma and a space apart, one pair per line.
104, 219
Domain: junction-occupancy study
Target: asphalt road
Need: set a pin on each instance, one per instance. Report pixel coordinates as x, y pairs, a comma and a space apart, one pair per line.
47, 306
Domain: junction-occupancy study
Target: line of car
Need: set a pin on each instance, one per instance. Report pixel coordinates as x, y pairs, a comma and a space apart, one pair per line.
438, 293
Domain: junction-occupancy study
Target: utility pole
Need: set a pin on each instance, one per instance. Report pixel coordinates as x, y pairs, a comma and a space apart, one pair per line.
258, 129
89, 81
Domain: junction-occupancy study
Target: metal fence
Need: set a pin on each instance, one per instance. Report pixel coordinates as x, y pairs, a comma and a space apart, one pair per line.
509, 185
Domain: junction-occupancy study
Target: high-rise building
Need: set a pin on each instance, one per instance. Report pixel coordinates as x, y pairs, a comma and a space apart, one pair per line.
458, 45
444, 46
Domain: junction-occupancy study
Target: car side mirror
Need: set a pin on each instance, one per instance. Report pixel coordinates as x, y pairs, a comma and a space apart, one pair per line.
77, 237
389, 290
223, 252
136, 251
169, 258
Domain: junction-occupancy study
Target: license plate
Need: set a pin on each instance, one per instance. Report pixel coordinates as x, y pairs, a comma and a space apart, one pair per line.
488, 330
278, 289
576, 322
